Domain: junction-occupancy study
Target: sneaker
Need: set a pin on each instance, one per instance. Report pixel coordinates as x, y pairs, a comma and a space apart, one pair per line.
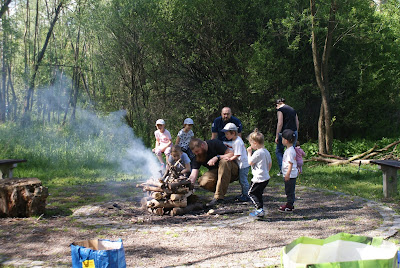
214, 202
279, 174
286, 208
242, 198
257, 213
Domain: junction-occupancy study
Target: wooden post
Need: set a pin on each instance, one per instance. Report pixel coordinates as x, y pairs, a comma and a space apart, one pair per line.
389, 181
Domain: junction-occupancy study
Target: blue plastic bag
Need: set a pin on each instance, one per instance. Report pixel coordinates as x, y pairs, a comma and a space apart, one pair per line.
100, 253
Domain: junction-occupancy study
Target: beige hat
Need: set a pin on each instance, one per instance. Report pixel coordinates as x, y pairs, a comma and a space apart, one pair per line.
160, 122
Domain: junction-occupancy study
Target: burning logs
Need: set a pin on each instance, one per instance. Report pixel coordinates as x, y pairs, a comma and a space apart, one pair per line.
172, 194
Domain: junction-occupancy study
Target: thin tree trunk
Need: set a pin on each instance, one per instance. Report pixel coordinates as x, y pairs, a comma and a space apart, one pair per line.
321, 69
4, 7
38, 61
12, 109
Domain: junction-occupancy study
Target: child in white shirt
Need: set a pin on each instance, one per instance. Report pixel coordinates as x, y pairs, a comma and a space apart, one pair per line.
260, 161
289, 169
240, 156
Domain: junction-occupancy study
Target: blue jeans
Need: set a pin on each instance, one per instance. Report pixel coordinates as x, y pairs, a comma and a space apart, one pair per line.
280, 148
243, 173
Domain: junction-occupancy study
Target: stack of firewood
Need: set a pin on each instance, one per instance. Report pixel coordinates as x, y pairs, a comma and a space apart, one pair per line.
171, 194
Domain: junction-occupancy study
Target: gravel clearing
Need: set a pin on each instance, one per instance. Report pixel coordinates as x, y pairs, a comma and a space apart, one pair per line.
199, 240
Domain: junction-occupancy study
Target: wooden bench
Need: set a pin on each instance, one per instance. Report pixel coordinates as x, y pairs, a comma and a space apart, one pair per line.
7, 166
389, 169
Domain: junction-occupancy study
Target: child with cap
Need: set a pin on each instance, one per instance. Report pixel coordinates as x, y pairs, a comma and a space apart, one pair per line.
289, 169
163, 142
184, 136
240, 156
260, 161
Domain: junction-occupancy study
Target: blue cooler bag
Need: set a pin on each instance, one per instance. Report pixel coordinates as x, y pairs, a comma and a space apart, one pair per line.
99, 253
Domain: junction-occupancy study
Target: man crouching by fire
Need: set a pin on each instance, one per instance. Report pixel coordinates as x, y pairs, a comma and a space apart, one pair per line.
214, 155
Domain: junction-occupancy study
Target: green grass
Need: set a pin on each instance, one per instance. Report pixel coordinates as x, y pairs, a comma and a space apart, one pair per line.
366, 183
66, 157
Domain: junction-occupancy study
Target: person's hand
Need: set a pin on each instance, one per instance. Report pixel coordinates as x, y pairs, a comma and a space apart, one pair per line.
276, 140
287, 177
153, 150
212, 161
249, 150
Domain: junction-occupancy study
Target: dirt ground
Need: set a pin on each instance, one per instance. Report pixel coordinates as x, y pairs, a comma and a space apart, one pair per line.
230, 237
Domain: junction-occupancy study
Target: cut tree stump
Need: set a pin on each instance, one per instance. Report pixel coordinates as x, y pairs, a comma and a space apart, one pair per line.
22, 197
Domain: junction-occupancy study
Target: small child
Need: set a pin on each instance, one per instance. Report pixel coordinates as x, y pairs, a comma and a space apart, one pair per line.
261, 163
163, 142
184, 166
299, 157
240, 156
289, 169
184, 136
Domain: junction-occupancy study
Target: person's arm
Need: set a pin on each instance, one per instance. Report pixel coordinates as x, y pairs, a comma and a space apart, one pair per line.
297, 123
193, 175
233, 158
249, 154
214, 135
213, 161
287, 175
166, 145
187, 168
177, 140
279, 125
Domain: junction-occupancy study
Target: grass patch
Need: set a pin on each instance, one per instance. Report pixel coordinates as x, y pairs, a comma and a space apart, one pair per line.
78, 164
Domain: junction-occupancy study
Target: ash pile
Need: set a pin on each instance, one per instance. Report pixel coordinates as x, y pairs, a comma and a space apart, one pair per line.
172, 194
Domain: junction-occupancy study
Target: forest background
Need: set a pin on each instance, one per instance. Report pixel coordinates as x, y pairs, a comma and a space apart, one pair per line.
334, 61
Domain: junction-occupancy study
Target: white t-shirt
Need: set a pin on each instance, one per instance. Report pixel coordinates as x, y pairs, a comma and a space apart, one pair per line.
239, 149
184, 138
261, 159
289, 156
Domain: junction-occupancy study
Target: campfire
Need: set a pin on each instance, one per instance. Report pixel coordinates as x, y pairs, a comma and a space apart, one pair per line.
172, 194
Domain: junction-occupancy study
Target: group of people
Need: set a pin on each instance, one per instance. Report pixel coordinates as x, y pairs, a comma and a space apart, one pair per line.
227, 159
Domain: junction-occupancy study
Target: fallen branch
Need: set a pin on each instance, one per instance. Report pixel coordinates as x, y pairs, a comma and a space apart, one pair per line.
343, 162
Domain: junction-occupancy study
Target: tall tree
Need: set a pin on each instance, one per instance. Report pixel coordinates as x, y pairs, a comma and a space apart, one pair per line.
4, 7
37, 61
321, 69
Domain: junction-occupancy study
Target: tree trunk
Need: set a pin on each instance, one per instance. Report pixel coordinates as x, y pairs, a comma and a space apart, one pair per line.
321, 67
22, 197
29, 96
4, 7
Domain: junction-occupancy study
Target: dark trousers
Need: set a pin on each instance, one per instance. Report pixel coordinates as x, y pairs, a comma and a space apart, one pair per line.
256, 192
290, 187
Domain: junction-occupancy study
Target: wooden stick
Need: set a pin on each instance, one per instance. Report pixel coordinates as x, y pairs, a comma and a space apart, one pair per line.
353, 158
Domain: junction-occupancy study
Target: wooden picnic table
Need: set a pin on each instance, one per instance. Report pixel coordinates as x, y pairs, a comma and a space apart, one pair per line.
7, 166
389, 169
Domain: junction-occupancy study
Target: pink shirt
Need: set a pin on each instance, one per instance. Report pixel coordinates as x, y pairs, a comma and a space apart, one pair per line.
163, 138
299, 153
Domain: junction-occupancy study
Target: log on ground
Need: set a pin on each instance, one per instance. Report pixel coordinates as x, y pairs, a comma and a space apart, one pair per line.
22, 197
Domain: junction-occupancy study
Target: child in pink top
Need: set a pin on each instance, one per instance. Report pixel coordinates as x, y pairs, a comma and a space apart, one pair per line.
299, 157
163, 142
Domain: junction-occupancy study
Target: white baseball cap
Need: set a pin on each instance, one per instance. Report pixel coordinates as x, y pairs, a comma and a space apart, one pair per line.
188, 121
160, 122
230, 126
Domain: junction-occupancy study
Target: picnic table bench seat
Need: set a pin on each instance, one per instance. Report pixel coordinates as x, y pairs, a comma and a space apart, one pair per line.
389, 170
7, 166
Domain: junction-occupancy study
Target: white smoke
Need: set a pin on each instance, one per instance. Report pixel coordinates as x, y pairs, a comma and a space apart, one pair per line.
108, 137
